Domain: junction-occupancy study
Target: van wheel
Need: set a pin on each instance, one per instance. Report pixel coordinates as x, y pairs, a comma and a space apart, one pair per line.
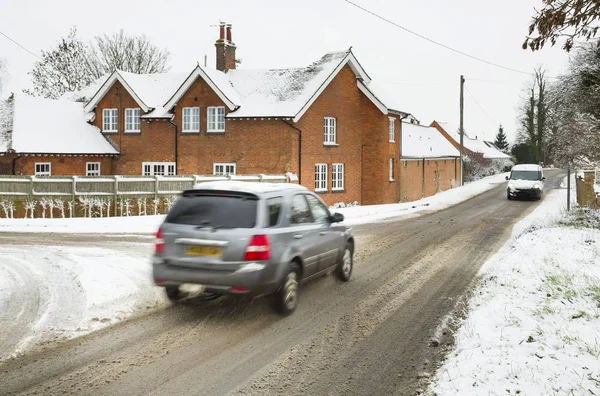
287, 296
173, 293
344, 269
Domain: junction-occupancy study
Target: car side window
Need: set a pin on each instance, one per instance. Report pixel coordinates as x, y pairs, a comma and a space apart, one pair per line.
273, 211
300, 210
319, 211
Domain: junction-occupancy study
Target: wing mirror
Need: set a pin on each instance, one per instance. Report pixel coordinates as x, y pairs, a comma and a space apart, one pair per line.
543, 178
337, 218
507, 178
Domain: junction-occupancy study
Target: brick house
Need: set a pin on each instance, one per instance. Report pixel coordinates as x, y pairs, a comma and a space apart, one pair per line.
430, 163
327, 123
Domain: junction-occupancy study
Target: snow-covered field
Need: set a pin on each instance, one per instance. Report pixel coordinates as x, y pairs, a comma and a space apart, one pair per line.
353, 215
533, 322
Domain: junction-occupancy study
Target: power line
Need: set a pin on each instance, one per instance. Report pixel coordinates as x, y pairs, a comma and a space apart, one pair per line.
480, 106
433, 41
4, 34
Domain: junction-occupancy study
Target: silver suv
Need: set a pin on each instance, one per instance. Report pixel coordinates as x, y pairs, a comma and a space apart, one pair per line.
250, 238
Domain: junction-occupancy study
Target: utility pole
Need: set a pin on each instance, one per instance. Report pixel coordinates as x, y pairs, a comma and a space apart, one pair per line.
569, 188
462, 131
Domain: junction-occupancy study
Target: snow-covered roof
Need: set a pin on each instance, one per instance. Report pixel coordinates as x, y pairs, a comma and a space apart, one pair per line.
475, 145
420, 141
391, 101
48, 126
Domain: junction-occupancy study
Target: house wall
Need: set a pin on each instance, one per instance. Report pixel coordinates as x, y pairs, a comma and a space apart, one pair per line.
62, 165
424, 178
154, 143
342, 100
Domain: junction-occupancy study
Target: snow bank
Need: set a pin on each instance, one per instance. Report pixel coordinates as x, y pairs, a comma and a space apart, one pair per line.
533, 320
353, 215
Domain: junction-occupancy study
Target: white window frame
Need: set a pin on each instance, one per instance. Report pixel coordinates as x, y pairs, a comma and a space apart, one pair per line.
329, 131
92, 172
215, 119
43, 172
110, 120
392, 130
132, 120
391, 161
224, 170
150, 169
337, 177
193, 126
320, 177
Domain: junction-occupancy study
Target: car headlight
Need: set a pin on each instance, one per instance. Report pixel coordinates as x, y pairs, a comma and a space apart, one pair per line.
511, 186
536, 186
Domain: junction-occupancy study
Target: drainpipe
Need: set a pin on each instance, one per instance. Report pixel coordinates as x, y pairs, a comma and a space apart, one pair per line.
14, 165
299, 149
400, 165
423, 180
176, 144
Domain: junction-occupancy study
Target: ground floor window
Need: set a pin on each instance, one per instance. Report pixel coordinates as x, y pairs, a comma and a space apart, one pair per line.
337, 177
158, 168
320, 177
392, 169
223, 169
92, 169
43, 169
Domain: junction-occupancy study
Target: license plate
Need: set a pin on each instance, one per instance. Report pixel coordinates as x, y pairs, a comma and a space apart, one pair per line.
205, 251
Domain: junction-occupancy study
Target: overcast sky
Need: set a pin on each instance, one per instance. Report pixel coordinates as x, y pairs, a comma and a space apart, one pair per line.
276, 33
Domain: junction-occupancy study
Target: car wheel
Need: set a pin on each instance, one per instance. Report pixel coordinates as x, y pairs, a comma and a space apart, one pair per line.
287, 296
344, 270
173, 293
508, 197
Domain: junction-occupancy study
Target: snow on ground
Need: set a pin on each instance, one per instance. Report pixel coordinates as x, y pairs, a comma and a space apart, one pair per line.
533, 320
58, 292
353, 215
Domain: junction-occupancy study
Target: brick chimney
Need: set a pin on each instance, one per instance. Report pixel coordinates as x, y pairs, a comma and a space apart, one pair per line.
225, 49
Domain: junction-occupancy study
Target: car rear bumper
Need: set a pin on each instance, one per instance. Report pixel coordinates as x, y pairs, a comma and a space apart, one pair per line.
253, 278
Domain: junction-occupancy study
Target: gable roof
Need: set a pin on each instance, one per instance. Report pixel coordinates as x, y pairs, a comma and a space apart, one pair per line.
425, 142
487, 149
49, 126
390, 101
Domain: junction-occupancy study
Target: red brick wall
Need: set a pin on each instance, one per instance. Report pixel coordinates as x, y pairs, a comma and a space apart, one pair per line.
342, 100
62, 166
438, 176
155, 142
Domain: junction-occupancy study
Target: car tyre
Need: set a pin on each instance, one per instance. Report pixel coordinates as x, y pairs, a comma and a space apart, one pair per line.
173, 293
288, 294
345, 266
508, 197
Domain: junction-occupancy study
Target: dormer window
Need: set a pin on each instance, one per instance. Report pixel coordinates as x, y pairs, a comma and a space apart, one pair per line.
110, 120
216, 119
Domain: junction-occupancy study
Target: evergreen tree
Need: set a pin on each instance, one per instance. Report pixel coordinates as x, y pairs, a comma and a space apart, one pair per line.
500, 141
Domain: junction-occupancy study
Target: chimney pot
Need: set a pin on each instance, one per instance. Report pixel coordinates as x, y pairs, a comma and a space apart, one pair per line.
222, 31
229, 33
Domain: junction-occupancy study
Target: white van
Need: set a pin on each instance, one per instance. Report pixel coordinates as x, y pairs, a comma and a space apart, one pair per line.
525, 180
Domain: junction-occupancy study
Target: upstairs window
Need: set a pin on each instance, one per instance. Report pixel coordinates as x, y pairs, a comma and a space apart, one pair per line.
132, 120
320, 177
191, 119
158, 168
43, 169
92, 169
110, 120
216, 119
329, 131
223, 169
392, 132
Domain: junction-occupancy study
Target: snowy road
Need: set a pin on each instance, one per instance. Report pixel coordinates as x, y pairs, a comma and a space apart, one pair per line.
370, 336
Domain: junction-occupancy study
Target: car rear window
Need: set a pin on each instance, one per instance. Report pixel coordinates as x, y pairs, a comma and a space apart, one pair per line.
219, 210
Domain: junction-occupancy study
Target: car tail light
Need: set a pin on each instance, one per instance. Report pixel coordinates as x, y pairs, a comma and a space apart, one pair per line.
159, 244
258, 249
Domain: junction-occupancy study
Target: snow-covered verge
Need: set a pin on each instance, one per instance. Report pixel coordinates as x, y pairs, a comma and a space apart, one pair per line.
61, 292
353, 215
532, 323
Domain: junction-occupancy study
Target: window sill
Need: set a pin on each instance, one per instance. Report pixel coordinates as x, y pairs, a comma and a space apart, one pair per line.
216, 131
392, 141
331, 144
338, 191
133, 132
321, 191
392, 180
110, 132
190, 132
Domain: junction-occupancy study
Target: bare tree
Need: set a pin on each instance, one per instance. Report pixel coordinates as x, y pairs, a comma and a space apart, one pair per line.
135, 54
534, 114
62, 69
568, 19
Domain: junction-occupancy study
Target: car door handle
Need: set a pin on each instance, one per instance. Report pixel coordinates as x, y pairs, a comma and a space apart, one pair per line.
298, 236
322, 232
